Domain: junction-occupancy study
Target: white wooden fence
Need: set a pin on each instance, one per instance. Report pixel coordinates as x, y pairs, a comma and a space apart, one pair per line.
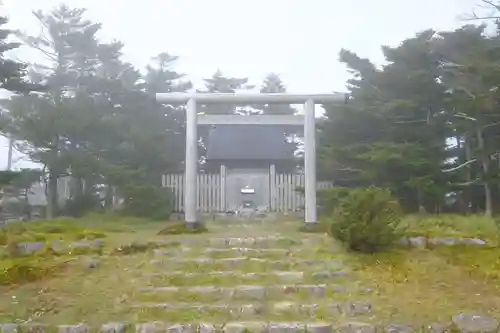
283, 194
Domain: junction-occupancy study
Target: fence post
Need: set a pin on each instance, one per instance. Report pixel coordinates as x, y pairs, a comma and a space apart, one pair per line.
223, 177
272, 187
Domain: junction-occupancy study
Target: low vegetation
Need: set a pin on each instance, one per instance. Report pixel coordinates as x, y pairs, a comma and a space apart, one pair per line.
320, 227
179, 228
20, 270
421, 285
140, 247
451, 225
34, 250
370, 219
430, 282
63, 229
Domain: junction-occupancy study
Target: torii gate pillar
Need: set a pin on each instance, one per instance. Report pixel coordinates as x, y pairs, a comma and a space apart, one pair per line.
191, 165
192, 122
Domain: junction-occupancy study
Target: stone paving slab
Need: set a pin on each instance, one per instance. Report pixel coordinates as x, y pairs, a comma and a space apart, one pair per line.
483, 324
273, 240
250, 310
288, 276
163, 327
245, 260
268, 241
281, 275
233, 251
235, 241
422, 241
58, 246
250, 291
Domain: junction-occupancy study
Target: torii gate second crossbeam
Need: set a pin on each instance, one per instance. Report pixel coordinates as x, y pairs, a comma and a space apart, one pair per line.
192, 121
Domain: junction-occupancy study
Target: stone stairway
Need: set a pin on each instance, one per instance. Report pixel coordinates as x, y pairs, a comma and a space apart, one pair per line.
264, 282
253, 279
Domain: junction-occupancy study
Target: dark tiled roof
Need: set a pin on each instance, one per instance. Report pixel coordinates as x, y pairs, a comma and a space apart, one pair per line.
248, 142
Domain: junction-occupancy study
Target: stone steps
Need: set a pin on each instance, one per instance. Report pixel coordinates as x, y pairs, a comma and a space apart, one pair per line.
216, 252
262, 241
485, 324
269, 277
254, 242
231, 279
228, 327
239, 277
256, 292
263, 309
246, 262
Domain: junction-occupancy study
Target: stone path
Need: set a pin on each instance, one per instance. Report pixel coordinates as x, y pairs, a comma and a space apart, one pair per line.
267, 282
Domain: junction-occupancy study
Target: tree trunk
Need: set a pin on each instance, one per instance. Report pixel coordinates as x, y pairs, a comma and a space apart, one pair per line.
498, 188
109, 198
76, 189
52, 197
27, 203
485, 163
467, 192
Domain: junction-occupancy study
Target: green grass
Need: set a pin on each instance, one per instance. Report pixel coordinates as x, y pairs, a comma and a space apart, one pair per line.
319, 228
179, 228
27, 233
445, 225
429, 286
16, 271
139, 247
70, 229
451, 226
411, 286
18, 267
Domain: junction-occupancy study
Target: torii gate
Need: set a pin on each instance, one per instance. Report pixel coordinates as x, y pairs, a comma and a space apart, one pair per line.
192, 121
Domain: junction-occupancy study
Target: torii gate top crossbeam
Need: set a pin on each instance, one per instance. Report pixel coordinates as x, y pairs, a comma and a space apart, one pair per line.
235, 98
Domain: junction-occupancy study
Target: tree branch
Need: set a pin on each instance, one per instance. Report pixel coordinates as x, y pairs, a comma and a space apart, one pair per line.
349, 170
410, 121
460, 166
472, 182
492, 124
489, 3
483, 18
464, 116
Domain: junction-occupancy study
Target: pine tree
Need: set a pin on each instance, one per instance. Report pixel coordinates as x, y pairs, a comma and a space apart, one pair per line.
12, 73
273, 84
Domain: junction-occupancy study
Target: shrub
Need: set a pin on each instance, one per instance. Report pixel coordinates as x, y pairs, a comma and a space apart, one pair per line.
147, 201
16, 207
329, 199
93, 234
84, 250
366, 220
26, 269
178, 228
4, 237
82, 204
133, 248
